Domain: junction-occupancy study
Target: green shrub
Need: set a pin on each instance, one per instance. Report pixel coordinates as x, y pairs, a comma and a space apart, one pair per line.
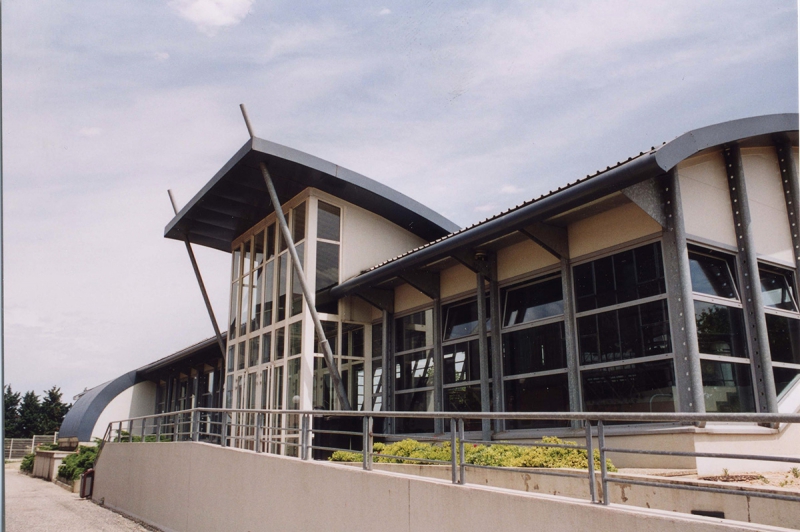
27, 463
75, 464
496, 455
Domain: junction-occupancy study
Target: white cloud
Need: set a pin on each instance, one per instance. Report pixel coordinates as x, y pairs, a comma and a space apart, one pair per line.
161, 56
385, 11
211, 15
487, 207
89, 131
510, 189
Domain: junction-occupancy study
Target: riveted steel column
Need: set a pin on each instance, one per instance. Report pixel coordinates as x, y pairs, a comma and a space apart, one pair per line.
387, 359
571, 337
791, 194
497, 345
483, 355
750, 282
683, 328
438, 363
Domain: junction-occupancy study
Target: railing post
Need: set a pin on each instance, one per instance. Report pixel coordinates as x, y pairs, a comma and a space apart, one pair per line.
601, 443
590, 457
304, 443
10, 448
119, 432
158, 429
174, 427
144, 428
366, 445
462, 476
259, 428
195, 425
223, 433
453, 456
130, 431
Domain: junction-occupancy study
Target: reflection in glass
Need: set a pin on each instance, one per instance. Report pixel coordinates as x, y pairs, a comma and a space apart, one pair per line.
269, 283
414, 402
548, 393
293, 384
352, 340
282, 271
297, 289
270, 251
461, 362
241, 355
252, 360
784, 338
245, 306
255, 300
776, 289
462, 320
234, 313
623, 277
299, 222
533, 302
251, 391
264, 388
414, 331
279, 344
295, 338
237, 262
377, 384
246, 264
266, 347
464, 399
644, 387
328, 217
258, 249
785, 378
727, 387
712, 276
720, 330
327, 265
229, 392
414, 370
277, 388
377, 340
231, 357
331, 329
353, 379
323, 390
631, 332
536, 349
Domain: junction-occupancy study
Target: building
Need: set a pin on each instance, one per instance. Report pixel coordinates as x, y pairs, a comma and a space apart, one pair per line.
633, 289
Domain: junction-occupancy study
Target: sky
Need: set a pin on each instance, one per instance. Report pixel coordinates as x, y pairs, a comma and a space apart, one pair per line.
468, 107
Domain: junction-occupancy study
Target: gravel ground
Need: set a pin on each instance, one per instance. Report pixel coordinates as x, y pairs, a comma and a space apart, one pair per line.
35, 504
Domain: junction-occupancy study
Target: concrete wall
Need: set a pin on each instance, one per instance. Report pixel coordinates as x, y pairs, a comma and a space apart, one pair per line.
199, 487
138, 400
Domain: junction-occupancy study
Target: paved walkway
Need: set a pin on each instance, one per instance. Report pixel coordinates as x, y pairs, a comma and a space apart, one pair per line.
35, 504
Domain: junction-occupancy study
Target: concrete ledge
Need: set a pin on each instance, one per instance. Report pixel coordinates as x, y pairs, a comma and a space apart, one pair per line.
199, 487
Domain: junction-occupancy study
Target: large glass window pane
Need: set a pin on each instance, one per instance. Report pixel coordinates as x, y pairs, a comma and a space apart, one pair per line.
645, 387
631, 332
264, 388
620, 278
295, 338
252, 360
269, 283
327, 265
377, 384
331, 329
237, 263
785, 378
297, 289
720, 330
299, 222
328, 217
353, 379
377, 340
461, 362
241, 356
266, 348
270, 251
784, 338
712, 276
462, 320
464, 399
255, 300
549, 393
323, 389
282, 281
293, 384
258, 249
246, 262
414, 402
727, 386
352, 340
234, 313
776, 289
231, 357
229, 392
414, 370
279, 344
533, 302
245, 306
536, 349
277, 388
414, 331
251, 391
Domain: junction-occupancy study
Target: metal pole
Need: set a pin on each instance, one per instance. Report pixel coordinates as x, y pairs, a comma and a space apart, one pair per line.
144, 428
453, 455
223, 435
365, 443
483, 354
207, 301
158, 429
462, 476
590, 456
601, 443
298, 268
259, 429
304, 443
195, 425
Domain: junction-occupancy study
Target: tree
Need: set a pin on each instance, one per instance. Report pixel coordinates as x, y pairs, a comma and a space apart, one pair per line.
30, 415
53, 411
11, 400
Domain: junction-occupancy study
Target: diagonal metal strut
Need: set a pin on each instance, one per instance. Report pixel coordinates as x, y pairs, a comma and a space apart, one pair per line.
298, 268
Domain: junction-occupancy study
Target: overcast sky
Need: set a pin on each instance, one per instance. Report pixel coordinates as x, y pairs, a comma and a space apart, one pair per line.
468, 107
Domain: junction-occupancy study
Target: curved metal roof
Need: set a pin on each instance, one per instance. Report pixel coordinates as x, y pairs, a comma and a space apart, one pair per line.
82, 417
657, 161
236, 198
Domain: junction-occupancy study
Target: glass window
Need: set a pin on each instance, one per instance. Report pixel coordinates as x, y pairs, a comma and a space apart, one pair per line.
229, 392
462, 320
246, 263
620, 278
776, 289
464, 399
299, 222
353, 379
264, 388
331, 329
533, 302
327, 265
255, 300
643, 387
547, 393
377, 340
414, 402
297, 289
536, 349
282, 271
785, 378
279, 344
231, 357
237, 262
377, 384
269, 283
323, 389
245, 305
277, 388
630, 332
461, 362
251, 390
414, 370
254, 352
720, 330
258, 249
414, 331
266, 347
293, 384
234, 314
295, 338
712, 276
784, 338
241, 356
328, 217
727, 386
270, 251
352, 340
282, 241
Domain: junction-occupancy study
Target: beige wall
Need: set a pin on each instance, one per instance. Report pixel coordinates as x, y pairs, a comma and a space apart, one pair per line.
522, 258
138, 400
613, 227
407, 297
706, 200
198, 487
457, 280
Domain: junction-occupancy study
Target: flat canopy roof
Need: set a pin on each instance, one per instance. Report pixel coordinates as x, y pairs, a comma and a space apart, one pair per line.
236, 198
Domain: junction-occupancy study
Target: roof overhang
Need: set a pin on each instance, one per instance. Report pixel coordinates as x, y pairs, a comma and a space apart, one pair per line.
236, 198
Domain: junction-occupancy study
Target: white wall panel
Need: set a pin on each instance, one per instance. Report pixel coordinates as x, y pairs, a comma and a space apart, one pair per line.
706, 199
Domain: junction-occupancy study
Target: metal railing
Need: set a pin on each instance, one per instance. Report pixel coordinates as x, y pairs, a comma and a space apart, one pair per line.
291, 432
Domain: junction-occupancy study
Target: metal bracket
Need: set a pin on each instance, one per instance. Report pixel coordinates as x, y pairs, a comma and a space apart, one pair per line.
553, 239
379, 298
477, 262
425, 282
648, 197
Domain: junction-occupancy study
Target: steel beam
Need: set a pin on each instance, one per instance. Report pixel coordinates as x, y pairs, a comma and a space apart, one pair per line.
683, 328
424, 281
387, 359
647, 195
475, 261
378, 298
571, 336
438, 363
750, 281
497, 345
553, 239
483, 354
791, 194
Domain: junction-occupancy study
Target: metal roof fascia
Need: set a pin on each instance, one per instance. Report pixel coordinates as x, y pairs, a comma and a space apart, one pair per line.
82, 417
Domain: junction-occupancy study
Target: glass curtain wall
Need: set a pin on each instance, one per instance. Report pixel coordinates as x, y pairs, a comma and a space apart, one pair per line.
724, 359
377, 367
624, 344
783, 325
414, 369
